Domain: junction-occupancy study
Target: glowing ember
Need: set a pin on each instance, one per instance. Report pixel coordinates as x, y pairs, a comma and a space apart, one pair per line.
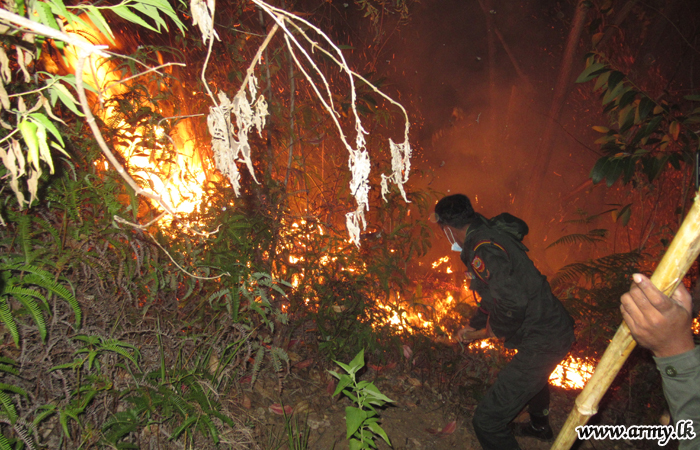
573, 373
440, 261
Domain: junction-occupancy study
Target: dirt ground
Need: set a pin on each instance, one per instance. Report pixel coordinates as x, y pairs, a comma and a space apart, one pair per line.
423, 405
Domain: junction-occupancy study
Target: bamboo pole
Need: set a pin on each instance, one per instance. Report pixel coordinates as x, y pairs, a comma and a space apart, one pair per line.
682, 252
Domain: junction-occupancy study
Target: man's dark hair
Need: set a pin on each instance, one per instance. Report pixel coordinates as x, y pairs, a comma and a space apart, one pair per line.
454, 210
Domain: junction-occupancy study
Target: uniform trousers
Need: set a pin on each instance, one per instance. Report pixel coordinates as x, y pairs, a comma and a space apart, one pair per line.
524, 381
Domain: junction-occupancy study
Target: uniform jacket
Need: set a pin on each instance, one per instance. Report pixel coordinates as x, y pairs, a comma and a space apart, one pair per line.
516, 298
680, 375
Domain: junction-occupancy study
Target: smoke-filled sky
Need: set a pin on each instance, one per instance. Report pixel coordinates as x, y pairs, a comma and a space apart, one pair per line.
483, 142
470, 145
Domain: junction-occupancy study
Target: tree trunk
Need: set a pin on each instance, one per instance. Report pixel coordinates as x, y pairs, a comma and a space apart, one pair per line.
491, 42
540, 168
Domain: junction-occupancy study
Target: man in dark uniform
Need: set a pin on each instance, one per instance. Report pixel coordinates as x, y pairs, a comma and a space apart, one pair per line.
517, 305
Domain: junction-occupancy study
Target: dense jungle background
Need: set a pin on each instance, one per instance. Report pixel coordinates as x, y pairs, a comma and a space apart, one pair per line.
125, 326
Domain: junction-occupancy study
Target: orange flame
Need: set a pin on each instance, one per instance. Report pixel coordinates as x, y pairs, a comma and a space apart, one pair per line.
180, 182
572, 373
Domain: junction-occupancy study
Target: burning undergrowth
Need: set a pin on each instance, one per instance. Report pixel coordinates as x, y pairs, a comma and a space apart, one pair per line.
164, 356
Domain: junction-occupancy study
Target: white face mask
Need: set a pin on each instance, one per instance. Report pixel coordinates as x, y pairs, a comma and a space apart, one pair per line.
455, 246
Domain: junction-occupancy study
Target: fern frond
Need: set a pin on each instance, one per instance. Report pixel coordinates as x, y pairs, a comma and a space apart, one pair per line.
9, 321
217, 295
4, 443
13, 388
279, 354
24, 237
257, 364
48, 411
18, 290
118, 347
575, 238
8, 365
8, 406
186, 424
572, 273
9, 369
45, 226
43, 279
213, 432
223, 418
39, 277
610, 264
180, 403
34, 310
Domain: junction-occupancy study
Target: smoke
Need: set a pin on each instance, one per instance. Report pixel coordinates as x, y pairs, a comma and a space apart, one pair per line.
484, 124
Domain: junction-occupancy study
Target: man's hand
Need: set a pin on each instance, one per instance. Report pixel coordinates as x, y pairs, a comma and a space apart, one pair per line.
657, 322
469, 334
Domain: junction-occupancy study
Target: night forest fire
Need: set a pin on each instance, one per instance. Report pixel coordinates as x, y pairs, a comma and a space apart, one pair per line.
176, 173
227, 229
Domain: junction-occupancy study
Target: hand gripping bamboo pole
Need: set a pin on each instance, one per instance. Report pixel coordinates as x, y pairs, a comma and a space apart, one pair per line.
684, 249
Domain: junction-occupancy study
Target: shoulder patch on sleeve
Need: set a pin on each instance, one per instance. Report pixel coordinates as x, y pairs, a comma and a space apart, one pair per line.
480, 269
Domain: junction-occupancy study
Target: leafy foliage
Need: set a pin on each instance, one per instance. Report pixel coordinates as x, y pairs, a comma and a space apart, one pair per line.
29, 286
158, 352
362, 420
38, 131
645, 134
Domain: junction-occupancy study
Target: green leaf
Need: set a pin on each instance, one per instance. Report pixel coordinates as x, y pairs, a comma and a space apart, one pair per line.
373, 392
164, 7
612, 94
652, 125
59, 9
354, 417
345, 367
627, 98
625, 118
99, 21
46, 123
625, 214
598, 171
45, 16
600, 129
126, 14
602, 79
344, 382
59, 91
614, 172
589, 72
646, 105
614, 79
28, 130
692, 98
376, 429
354, 444
358, 361
152, 12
